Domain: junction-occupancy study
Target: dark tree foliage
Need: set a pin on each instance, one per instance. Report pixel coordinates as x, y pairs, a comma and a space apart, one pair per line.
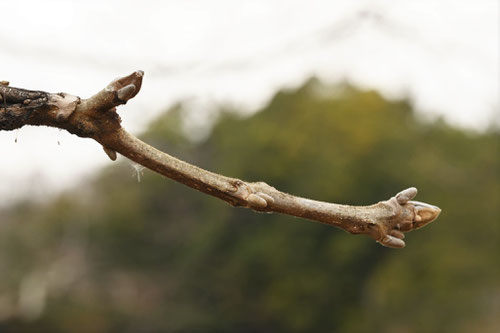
118, 255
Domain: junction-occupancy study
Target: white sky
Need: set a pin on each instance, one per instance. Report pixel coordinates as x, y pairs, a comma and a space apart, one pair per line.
444, 54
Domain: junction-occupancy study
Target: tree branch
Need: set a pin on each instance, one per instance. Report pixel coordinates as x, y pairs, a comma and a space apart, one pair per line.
96, 118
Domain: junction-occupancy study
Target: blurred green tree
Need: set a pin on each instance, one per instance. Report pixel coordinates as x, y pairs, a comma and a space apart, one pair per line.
118, 255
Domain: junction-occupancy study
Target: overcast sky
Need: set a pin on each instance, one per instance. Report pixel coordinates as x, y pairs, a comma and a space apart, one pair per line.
444, 54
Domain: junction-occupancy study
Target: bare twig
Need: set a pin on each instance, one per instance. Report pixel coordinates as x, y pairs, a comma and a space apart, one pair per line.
96, 118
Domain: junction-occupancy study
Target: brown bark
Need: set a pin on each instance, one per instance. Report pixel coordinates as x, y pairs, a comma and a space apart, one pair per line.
96, 118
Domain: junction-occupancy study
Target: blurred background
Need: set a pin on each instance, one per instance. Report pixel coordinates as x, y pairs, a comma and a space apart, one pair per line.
347, 102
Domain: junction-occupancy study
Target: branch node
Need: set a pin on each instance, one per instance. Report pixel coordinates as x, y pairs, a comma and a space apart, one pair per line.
252, 195
65, 104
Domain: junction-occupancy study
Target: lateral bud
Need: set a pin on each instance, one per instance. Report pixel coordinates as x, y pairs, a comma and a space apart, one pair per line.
126, 92
110, 152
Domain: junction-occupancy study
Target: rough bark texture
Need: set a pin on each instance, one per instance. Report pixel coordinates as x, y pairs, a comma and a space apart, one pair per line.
96, 118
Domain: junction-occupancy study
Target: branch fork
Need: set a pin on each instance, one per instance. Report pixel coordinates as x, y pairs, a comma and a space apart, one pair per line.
96, 118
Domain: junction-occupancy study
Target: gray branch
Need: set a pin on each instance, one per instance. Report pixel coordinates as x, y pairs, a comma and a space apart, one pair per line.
96, 118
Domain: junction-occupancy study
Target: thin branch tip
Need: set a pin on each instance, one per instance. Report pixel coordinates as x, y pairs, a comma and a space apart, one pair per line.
406, 216
133, 79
